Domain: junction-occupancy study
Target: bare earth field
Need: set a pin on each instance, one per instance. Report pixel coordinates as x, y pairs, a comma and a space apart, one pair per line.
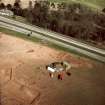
25, 81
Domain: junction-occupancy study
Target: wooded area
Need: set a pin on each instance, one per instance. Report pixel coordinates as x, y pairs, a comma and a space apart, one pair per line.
75, 20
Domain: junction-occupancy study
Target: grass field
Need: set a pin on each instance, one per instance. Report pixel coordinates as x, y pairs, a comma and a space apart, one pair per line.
92, 3
95, 2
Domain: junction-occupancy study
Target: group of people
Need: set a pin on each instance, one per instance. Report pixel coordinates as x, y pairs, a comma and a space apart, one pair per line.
64, 68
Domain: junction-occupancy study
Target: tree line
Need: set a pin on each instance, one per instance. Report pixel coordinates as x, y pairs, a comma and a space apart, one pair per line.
75, 20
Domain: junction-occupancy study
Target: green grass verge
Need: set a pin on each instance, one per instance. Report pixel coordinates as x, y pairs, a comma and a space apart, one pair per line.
17, 34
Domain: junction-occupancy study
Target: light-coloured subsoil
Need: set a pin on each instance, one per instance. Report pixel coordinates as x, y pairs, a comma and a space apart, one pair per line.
25, 81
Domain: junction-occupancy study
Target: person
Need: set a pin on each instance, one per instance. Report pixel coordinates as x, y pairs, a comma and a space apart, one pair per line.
67, 67
51, 70
51, 74
60, 76
68, 73
29, 34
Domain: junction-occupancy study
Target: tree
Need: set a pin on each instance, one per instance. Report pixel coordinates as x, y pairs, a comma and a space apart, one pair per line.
54, 25
100, 34
36, 12
30, 7
52, 5
17, 5
2, 6
9, 6
40, 13
17, 8
103, 10
63, 5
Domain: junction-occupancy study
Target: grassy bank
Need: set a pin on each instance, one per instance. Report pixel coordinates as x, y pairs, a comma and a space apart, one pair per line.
17, 34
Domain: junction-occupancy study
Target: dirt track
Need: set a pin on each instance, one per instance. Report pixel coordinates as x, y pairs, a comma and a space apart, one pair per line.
25, 81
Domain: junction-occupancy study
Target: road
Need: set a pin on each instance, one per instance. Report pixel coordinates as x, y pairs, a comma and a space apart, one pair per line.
67, 42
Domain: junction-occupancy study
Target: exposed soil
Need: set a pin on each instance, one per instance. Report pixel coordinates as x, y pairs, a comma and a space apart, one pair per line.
25, 81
